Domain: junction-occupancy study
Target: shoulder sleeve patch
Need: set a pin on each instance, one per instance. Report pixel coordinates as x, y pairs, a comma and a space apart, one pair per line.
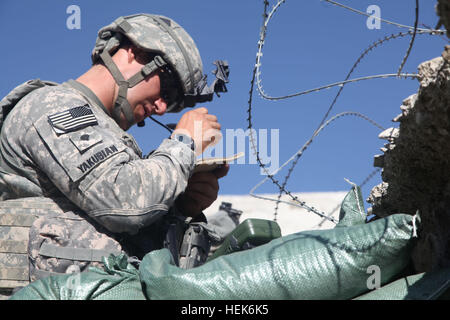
76, 153
72, 119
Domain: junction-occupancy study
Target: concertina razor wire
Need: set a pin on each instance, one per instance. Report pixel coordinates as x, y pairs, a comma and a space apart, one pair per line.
256, 77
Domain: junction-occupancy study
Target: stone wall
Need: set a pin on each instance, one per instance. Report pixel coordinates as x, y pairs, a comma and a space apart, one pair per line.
443, 11
416, 160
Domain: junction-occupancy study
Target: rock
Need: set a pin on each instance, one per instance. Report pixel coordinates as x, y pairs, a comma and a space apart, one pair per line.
443, 10
389, 134
446, 53
416, 174
398, 118
378, 160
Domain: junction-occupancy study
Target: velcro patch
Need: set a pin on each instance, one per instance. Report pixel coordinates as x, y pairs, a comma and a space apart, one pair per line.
97, 158
72, 119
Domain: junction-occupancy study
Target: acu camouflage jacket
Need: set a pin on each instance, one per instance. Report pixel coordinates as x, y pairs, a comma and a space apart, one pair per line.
58, 141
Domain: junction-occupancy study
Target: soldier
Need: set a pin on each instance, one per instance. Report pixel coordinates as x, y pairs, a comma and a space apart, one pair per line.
67, 143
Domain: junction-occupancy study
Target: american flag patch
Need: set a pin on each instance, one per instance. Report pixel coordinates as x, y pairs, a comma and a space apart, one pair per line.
72, 119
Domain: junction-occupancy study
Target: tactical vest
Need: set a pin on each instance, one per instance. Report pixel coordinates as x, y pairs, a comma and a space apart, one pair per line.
16, 216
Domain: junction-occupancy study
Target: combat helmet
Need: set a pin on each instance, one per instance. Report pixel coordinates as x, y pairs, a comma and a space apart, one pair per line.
173, 49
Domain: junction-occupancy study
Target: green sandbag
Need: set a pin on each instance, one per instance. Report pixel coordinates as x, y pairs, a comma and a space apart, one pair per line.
118, 281
320, 264
424, 286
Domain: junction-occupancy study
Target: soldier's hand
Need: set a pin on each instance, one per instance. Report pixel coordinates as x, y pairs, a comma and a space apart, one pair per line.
201, 126
201, 191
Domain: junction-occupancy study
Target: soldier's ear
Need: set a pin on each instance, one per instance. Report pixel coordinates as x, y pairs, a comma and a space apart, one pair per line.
130, 53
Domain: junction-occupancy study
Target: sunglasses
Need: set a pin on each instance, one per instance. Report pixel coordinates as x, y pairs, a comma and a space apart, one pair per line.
169, 86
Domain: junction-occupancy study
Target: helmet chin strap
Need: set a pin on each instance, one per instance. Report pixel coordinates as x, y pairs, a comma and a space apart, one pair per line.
121, 104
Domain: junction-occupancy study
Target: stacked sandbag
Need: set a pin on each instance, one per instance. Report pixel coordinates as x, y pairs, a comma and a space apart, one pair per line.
320, 264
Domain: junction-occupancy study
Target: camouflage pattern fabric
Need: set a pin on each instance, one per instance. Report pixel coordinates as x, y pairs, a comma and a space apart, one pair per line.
97, 168
16, 217
25, 224
66, 230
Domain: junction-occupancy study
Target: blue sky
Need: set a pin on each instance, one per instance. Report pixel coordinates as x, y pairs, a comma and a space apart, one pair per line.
309, 44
